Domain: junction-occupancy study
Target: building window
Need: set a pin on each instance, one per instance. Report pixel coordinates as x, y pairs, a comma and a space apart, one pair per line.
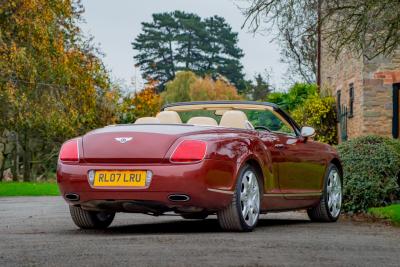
351, 100
338, 101
396, 110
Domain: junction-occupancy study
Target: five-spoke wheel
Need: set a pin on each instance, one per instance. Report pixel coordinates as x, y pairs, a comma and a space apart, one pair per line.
243, 212
250, 198
329, 207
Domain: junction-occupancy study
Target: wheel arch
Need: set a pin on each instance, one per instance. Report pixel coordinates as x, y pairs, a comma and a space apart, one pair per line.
338, 164
257, 166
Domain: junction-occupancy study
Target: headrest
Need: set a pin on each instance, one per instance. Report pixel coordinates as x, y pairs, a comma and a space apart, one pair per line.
147, 120
235, 119
169, 117
202, 121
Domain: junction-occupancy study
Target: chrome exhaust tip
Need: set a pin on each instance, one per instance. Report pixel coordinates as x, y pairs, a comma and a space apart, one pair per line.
72, 196
178, 197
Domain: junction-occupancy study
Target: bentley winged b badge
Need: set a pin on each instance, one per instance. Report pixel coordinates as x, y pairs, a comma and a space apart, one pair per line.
123, 140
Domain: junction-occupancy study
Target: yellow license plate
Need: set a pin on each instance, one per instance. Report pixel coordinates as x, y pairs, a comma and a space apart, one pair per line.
120, 179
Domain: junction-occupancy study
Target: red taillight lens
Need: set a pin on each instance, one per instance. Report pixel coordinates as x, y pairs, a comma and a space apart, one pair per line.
69, 151
189, 151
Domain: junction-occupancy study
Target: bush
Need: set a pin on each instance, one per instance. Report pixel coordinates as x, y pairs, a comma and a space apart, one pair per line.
319, 113
295, 97
371, 165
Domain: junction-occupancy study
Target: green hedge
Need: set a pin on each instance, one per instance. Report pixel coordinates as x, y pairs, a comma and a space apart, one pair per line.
371, 167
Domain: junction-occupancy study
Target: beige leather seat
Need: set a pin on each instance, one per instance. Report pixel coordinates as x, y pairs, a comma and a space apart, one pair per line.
147, 120
235, 119
202, 121
169, 117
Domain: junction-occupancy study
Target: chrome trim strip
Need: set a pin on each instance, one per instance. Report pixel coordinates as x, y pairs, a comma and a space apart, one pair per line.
220, 191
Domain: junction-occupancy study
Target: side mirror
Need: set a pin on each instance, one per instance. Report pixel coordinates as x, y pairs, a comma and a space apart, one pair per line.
307, 132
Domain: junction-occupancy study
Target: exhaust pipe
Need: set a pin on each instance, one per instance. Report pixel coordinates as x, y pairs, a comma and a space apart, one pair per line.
72, 196
178, 197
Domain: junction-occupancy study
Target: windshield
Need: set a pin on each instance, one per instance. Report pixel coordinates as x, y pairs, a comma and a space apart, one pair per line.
262, 119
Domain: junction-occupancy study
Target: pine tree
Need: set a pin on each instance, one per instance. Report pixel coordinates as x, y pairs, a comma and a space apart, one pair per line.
261, 88
180, 41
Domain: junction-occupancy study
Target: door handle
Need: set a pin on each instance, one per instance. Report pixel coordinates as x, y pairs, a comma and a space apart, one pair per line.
279, 146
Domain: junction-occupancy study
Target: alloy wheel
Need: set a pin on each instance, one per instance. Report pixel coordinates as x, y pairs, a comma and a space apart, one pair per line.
250, 198
334, 193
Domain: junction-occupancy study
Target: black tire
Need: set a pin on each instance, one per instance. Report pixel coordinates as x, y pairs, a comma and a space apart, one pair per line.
195, 216
231, 218
321, 212
91, 219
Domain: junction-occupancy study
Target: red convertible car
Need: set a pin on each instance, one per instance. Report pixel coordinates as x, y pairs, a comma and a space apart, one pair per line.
233, 159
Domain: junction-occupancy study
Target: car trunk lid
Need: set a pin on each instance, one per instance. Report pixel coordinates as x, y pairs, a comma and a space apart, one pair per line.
131, 143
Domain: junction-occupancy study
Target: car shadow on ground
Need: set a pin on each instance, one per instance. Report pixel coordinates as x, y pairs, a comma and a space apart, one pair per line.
185, 226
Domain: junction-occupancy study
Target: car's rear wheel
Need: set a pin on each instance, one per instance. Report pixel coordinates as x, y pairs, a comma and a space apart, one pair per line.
329, 207
91, 219
195, 216
243, 212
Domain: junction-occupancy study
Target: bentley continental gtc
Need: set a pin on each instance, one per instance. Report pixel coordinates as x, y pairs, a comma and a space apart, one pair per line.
235, 159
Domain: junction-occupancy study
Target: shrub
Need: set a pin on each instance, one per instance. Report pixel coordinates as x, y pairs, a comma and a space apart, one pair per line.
371, 166
318, 112
296, 96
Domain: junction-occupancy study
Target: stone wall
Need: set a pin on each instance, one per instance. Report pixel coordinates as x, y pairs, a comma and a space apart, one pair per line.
339, 74
379, 76
373, 86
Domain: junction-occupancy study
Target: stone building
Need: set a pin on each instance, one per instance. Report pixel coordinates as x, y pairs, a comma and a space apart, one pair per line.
367, 93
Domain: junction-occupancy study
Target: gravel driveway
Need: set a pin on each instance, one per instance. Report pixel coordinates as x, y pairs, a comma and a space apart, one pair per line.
39, 232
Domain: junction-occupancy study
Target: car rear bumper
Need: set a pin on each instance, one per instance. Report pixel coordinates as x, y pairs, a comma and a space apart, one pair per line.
208, 184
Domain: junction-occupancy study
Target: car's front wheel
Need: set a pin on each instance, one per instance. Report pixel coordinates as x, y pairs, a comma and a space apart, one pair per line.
91, 219
329, 207
243, 212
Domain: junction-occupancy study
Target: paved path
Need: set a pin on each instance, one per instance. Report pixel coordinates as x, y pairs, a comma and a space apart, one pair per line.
39, 232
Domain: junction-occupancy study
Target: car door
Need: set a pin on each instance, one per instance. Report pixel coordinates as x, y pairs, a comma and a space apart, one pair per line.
300, 168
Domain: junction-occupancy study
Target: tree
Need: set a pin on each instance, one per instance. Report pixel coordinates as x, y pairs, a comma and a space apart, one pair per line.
295, 96
296, 25
365, 27
204, 89
53, 85
180, 41
188, 87
261, 89
145, 103
178, 90
155, 45
222, 55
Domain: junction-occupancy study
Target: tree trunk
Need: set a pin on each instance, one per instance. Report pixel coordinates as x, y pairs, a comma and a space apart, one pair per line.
15, 160
27, 159
2, 163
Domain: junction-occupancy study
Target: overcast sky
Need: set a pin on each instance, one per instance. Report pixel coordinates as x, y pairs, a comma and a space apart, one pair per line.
114, 24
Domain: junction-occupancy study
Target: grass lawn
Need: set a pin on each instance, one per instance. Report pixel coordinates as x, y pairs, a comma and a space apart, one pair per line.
391, 212
8, 189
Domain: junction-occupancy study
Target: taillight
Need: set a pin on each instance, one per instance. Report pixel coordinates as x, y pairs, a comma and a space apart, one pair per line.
189, 151
69, 151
